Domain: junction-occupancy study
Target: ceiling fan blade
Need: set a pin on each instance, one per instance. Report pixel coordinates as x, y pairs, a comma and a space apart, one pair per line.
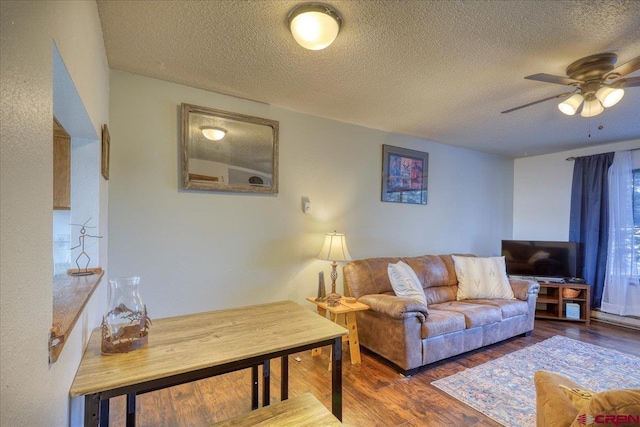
628, 82
624, 69
562, 95
549, 78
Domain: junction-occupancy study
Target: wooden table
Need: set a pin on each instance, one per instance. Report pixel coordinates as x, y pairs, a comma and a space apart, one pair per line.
196, 346
344, 314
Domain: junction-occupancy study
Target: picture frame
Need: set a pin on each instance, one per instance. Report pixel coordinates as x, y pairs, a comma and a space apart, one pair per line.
404, 175
106, 148
226, 151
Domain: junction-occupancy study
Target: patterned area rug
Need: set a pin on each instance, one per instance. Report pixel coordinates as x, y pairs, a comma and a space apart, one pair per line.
503, 389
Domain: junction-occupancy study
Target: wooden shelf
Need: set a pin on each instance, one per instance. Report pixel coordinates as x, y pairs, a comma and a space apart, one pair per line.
551, 304
70, 296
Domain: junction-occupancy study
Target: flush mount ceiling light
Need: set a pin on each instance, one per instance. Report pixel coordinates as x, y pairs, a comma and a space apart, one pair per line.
314, 26
597, 84
214, 134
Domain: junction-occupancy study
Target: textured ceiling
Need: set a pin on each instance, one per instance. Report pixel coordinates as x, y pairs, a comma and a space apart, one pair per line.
438, 70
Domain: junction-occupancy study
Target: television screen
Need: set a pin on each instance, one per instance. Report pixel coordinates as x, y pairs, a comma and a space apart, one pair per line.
540, 258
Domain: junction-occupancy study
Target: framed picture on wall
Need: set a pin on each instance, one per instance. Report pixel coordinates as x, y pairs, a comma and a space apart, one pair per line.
404, 175
106, 142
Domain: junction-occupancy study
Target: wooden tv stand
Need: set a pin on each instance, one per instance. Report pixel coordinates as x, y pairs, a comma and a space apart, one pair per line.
552, 305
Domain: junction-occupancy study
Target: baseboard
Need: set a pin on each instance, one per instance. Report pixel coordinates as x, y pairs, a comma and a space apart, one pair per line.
626, 321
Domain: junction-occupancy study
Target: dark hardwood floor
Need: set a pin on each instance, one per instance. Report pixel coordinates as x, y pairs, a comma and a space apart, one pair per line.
373, 393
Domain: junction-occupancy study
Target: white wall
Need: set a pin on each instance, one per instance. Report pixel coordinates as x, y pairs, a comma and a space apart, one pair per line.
198, 251
542, 192
33, 392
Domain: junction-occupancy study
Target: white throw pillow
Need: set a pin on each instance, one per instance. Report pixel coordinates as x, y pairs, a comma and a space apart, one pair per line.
482, 278
405, 282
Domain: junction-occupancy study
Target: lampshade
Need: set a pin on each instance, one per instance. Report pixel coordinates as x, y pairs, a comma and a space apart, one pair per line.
571, 105
334, 248
591, 108
214, 134
314, 26
609, 96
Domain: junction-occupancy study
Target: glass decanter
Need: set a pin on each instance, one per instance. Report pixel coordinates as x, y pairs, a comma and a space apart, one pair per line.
125, 326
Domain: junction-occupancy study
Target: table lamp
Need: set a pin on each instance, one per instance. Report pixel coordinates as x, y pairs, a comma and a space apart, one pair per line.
334, 249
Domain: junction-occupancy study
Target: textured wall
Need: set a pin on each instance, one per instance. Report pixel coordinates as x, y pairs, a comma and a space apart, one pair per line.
34, 393
200, 251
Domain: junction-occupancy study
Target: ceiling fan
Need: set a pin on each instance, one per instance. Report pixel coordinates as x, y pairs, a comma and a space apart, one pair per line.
596, 83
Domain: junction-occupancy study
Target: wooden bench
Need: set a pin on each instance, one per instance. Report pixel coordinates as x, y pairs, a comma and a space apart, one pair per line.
299, 411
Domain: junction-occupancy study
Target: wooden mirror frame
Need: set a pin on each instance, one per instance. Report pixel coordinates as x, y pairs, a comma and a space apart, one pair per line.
196, 180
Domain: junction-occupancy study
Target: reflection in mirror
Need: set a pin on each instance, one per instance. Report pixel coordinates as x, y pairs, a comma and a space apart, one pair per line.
223, 151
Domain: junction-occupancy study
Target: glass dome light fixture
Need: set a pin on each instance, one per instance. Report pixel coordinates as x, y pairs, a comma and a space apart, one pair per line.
214, 134
313, 25
609, 96
571, 105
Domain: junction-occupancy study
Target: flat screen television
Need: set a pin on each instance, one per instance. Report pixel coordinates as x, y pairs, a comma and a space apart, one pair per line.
538, 258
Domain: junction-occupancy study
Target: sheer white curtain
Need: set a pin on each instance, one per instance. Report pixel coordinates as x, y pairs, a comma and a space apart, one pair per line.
621, 294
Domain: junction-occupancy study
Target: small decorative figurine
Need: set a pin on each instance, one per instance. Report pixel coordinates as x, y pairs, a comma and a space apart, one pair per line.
83, 235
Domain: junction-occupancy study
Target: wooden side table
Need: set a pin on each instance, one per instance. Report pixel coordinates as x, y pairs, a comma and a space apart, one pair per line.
344, 315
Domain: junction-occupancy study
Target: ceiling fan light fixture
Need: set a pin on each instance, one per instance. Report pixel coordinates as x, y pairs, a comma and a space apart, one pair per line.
214, 134
314, 26
591, 108
571, 105
609, 96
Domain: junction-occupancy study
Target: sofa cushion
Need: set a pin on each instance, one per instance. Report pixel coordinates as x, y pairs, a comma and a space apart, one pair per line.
368, 276
433, 270
508, 307
405, 283
561, 402
442, 322
553, 407
440, 294
474, 314
482, 278
578, 397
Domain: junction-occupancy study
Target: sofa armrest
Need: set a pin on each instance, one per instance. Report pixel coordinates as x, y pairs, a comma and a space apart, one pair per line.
394, 306
523, 288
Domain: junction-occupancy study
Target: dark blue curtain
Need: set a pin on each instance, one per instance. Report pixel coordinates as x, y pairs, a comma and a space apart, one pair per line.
589, 220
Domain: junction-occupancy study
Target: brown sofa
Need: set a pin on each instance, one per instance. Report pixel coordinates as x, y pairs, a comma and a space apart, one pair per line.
411, 335
554, 408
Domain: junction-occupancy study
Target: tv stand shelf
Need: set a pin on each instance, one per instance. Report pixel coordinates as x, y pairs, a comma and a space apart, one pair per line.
551, 303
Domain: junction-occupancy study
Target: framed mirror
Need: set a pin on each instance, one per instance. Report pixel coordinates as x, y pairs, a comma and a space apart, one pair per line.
224, 151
